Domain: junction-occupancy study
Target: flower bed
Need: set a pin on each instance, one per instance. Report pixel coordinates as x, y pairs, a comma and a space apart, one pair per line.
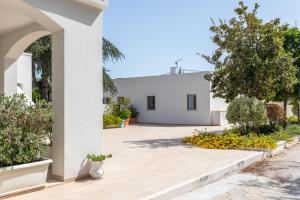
233, 140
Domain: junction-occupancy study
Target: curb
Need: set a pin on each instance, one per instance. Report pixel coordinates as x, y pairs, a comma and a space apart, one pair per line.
208, 178
282, 146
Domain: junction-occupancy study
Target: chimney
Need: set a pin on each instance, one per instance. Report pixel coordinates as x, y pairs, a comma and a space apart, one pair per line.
173, 70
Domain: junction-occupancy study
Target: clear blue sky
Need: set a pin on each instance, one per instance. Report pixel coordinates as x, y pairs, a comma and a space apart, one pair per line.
153, 34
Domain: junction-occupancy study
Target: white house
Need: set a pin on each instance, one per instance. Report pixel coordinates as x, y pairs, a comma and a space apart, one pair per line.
173, 99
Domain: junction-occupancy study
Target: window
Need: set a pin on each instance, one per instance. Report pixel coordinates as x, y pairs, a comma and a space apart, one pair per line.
191, 102
120, 100
151, 102
106, 100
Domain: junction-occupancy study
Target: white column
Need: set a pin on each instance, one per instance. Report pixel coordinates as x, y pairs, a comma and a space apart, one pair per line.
10, 76
77, 95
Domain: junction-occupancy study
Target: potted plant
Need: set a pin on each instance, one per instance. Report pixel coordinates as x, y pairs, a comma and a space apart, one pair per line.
23, 136
134, 114
96, 161
125, 114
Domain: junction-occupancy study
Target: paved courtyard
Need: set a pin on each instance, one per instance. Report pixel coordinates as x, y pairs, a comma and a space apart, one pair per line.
275, 179
146, 159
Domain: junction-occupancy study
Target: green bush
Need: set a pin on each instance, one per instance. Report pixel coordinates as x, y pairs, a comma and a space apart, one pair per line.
292, 120
246, 113
111, 121
124, 113
293, 129
281, 135
134, 112
267, 129
24, 130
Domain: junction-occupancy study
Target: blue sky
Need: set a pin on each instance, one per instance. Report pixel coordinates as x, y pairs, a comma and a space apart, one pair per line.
153, 34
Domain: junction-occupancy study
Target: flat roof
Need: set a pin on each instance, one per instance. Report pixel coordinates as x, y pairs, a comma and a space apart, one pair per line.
164, 75
99, 4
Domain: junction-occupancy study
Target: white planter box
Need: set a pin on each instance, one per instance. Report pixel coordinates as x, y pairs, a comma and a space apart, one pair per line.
20, 178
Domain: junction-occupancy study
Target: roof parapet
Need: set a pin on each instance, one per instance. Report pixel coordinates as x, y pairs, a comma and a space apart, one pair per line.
99, 4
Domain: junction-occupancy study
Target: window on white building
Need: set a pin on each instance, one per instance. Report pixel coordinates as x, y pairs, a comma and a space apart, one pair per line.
106, 100
191, 102
151, 102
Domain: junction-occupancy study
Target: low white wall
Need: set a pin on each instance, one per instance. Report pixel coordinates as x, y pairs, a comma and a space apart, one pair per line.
171, 93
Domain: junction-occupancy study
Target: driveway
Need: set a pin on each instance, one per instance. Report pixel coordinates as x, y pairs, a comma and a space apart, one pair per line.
146, 159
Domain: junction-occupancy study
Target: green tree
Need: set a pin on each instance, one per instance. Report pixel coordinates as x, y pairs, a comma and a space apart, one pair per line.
41, 64
41, 51
292, 45
110, 53
249, 57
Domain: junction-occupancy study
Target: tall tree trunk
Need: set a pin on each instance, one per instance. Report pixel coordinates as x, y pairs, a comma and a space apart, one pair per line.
45, 86
285, 102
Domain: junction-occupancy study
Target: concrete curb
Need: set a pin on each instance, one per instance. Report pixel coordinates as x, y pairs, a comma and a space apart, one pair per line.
283, 145
208, 178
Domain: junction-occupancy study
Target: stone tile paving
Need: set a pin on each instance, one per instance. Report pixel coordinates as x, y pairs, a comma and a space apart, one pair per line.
146, 159
275, 179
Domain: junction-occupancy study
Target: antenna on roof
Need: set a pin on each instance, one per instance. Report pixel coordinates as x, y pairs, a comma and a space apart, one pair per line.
177, 62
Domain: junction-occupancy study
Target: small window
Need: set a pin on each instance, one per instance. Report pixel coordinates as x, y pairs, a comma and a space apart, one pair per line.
106, 100
191, 102
120, 100
151, 102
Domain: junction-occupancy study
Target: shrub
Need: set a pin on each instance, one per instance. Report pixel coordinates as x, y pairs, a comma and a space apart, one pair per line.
292, 120
134, 112
231, 141
281, 135
270, 128
111, 121
295, 108
24, 130
124, 113
293, 129
275, 113
246, 113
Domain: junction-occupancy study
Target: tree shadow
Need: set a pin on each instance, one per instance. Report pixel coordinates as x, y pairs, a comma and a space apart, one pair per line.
289, 188
158, 143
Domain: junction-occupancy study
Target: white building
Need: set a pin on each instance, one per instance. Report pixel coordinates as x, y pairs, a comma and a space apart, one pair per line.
173, 99
76, 30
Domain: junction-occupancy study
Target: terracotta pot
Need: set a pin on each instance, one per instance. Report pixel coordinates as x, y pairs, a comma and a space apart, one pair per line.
132, 121
127, 122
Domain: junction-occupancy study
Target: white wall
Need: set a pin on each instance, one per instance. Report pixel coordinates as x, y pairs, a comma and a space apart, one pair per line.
218, 104
24, 73
171, 98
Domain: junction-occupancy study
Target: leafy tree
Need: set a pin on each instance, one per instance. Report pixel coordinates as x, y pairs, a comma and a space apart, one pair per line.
250, 58
41, 51
292, 46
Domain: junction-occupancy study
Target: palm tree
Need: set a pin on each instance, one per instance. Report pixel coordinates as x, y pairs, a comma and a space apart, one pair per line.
41, 66
110, 53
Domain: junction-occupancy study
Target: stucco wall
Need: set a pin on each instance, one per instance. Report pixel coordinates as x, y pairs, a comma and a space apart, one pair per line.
171, 98
24, 73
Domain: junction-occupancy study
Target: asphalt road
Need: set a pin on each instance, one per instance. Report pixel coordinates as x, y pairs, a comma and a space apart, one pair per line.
277, 178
